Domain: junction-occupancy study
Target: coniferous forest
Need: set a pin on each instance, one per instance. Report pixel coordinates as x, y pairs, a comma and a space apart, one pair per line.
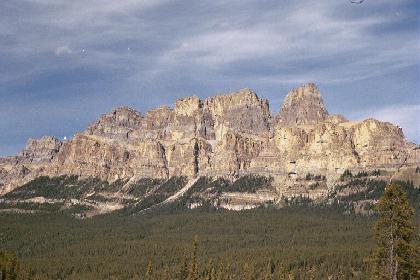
299, 241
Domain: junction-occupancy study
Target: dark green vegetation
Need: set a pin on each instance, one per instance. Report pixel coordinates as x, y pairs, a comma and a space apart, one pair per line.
304, 240
138, 196
10, 268
311, 176
63, 187
162, 191
347, 174
144, 185
365, 192
249, 183
395, 257
297, 241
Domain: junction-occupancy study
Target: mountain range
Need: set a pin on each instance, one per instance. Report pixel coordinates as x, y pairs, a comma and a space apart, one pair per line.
303, 151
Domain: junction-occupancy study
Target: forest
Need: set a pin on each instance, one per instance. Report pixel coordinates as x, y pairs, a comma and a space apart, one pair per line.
302, 240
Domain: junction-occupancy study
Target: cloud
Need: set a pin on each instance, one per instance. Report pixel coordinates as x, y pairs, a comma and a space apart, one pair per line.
63, 50
217, 36
142, 53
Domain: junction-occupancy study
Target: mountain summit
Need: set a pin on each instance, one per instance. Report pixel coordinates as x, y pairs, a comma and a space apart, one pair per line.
303, 105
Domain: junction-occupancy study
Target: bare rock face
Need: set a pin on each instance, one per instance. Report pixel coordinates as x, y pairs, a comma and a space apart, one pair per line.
303, 105
41, 150
336, 119
381, 144
107, 159
241, 111
118, 124
226, 135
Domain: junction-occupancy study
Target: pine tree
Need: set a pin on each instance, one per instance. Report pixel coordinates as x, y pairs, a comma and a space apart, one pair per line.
211, 271
165, 275
221, 275
228, 272
394, 256
10, 267
247, 272
193, 273
149, 270
269, 271
183, 271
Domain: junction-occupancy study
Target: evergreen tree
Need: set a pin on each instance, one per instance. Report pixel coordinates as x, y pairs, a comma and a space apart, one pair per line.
221, 275
211, 272
394, 256
166, 274
193, 273
10, 267
149, 271
183, 271
248, 272
228, 272
269, 271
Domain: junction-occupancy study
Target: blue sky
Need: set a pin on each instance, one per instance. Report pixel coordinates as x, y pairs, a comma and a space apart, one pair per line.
63, 63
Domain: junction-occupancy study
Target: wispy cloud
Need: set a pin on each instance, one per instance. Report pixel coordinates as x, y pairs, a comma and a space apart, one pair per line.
66, 50
63, 50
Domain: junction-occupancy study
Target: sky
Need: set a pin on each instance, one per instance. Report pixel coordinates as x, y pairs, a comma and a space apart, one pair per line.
64, 63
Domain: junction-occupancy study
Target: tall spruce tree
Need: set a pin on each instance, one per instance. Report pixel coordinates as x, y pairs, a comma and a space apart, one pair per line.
394, 256
149, 270
211, 271
10, 267
183, 270
193, 273
248, 273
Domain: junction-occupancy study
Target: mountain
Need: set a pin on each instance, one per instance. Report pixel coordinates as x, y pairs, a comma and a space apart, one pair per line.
302, 151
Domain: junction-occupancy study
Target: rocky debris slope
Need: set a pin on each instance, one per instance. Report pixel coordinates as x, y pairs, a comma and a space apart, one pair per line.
227, 136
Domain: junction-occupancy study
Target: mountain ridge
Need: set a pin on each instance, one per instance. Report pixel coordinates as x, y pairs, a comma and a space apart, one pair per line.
226, 136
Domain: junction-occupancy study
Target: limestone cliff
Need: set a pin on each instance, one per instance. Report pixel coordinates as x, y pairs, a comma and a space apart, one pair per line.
303, 105
227, 135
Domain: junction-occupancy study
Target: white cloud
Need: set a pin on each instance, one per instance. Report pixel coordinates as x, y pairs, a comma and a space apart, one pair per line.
283, 34
307, 33
63, 50
204, 45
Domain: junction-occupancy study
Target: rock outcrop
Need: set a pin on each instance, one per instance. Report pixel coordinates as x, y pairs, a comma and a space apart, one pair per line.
227, 135
303, 105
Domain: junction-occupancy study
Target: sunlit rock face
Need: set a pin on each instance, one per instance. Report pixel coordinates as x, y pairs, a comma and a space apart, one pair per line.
225, 135
40, 150
303, 105
118, 124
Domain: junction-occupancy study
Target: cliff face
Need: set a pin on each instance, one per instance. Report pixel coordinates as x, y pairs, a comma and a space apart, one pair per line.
303, 105
227, 135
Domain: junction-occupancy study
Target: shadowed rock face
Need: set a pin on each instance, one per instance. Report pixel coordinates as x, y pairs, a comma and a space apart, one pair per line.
225, 135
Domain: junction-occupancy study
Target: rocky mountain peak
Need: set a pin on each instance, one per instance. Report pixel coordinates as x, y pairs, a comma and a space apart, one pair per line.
242, 110
125, 115
244, 98
188, 105
42, 149
303, 105
246, 93
117, 122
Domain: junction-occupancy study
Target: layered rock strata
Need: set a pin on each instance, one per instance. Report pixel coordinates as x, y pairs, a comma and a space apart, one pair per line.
226, 135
